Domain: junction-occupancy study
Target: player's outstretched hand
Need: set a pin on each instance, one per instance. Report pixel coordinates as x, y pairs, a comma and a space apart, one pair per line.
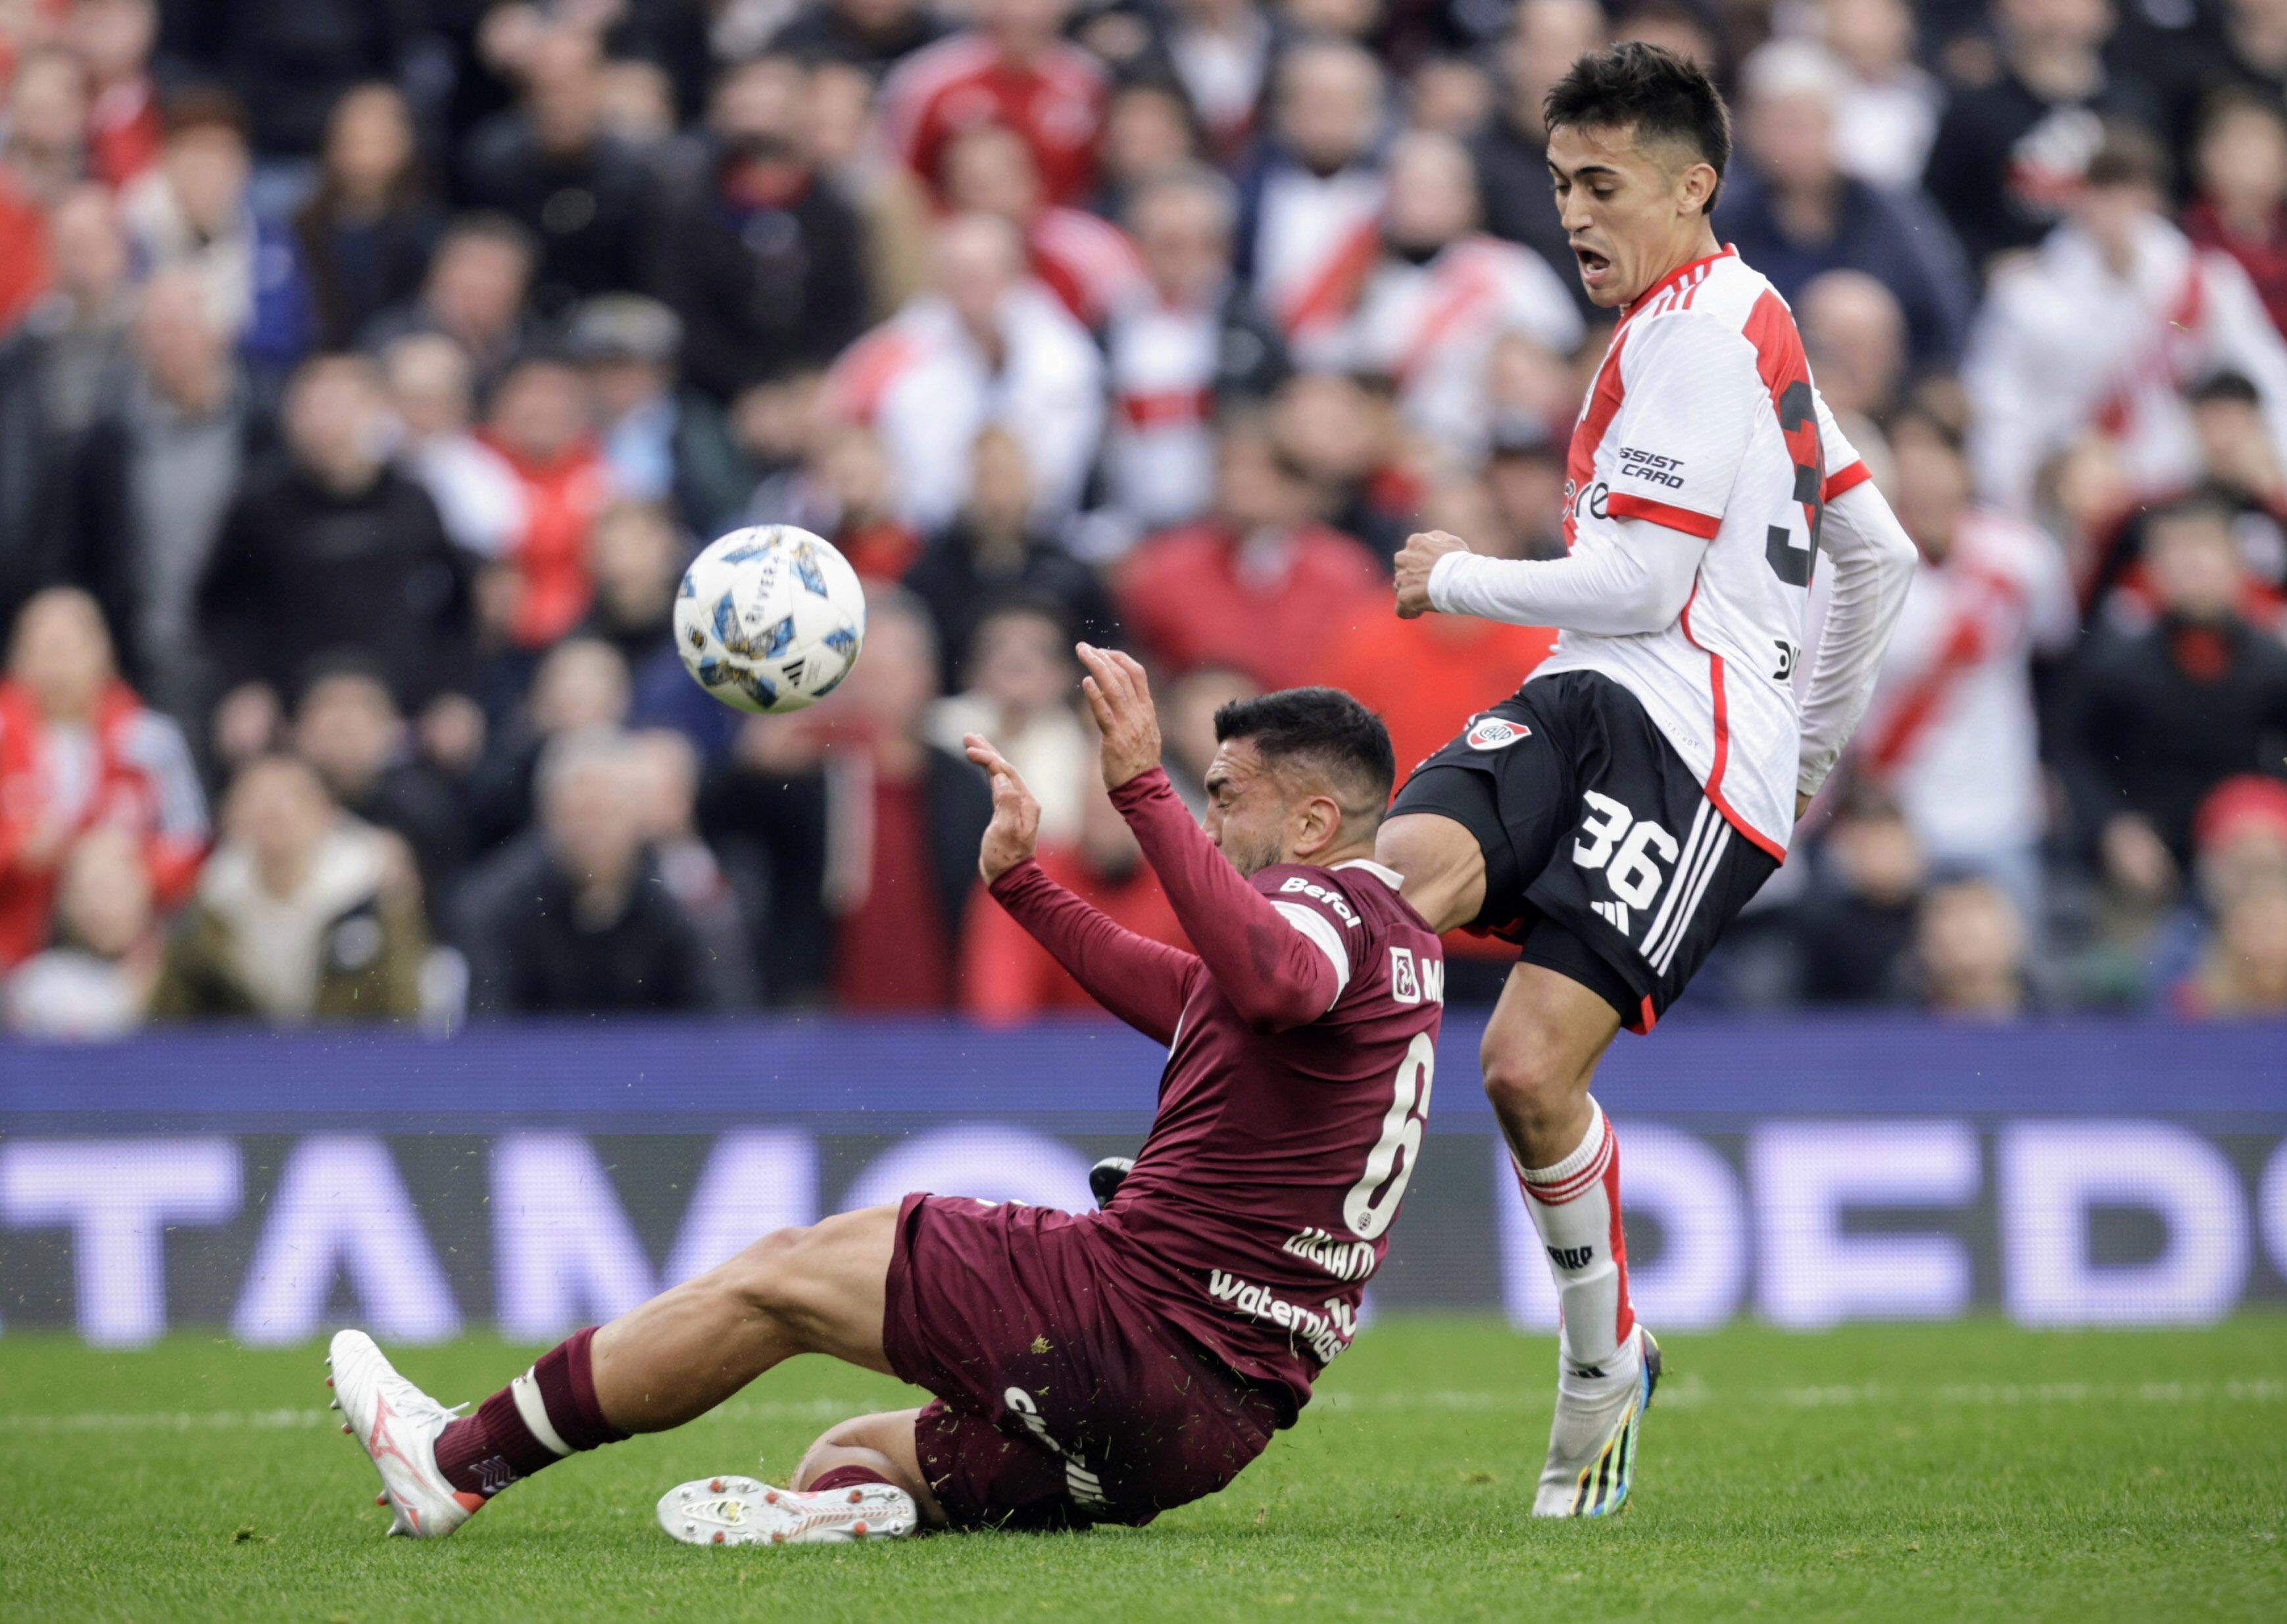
1016, 826
1121, 698
1414, 561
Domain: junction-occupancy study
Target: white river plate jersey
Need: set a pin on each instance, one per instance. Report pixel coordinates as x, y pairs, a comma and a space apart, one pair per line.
1704, 418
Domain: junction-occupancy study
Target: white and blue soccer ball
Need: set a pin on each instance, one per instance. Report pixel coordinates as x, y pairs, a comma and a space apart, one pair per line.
770, 618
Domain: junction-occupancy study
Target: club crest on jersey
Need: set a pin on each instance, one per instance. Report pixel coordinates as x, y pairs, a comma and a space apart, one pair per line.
1495, 732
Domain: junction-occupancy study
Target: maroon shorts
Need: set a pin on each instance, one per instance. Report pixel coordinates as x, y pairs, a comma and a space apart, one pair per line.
1061, 1400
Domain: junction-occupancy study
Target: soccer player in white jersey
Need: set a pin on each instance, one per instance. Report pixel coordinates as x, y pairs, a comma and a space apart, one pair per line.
1616, 813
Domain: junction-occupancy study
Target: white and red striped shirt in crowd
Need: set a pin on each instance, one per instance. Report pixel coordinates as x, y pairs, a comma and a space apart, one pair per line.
925, 385
2067, 346
1316, 239
1431, 328
1952, 732
1086, 261
1055, 102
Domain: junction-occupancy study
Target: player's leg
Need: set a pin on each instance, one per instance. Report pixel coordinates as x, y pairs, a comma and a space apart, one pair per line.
1540, 1050
819, 1289
1442, 861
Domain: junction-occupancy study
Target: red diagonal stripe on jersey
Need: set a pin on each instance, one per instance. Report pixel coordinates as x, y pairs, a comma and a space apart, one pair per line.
1660, 513
1329, 294
1580, 459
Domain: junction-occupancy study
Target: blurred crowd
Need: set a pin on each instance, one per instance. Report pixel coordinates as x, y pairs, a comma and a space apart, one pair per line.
370, 368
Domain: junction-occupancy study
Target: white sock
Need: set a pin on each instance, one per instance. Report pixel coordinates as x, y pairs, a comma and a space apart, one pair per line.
1576, 1207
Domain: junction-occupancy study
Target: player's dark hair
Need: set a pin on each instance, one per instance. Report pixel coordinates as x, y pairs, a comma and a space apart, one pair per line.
1651, 91
1323, 726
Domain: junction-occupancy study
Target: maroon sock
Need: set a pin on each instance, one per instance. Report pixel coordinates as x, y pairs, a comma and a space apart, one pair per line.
844, 1477
484, 1452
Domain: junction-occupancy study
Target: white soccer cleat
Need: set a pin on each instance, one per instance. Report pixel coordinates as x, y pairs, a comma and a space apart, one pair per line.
397, 1424
1592, 1443
741, 1512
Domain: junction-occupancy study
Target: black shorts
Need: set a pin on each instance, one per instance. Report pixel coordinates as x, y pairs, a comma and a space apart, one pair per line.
1604, 859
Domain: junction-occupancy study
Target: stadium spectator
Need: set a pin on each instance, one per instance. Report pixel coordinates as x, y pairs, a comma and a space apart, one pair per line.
1259, 585
42, 155
79, 751
302, 913
2242, 836
1222, 52
1854, 932
348, 727
1187, 711
1525, 480
1310, 207
628, 346
2114, 317
333, 549
1426, 677
873, 34
431, 395
1886, 116
2010, 154
145, 489
893, 205
93, 981
1197, 344
759, 253
191, 210
1019, 684
1342, 433
867, 832
1085, 260
579, 685
1970, 952
1794, 213
366, 235
990, 555
1442, 291
986, 347
2158, 717
79, 331
666, 770
289, 64
474, 294
1544, 39
113, 40
551, 166
1950, 735
57, 369
572, 919
2240, 468
2240, 166
539, 425
1148, 135
848, 490
1853, 333
1013, 67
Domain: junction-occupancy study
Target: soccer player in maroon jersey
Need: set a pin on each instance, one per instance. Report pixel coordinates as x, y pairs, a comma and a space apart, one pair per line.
1618, 812
1088, 1367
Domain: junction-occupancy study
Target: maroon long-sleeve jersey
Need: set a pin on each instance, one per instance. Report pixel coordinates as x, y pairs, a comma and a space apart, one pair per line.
1301, 1041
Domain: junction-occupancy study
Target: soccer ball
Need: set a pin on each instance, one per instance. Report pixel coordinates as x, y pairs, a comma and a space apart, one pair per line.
770, 618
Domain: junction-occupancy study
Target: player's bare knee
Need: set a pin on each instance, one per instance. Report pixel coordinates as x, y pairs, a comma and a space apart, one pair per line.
1529, 1082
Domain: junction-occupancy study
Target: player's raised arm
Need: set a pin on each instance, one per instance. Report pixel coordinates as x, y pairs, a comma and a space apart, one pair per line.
1142, 981
1276, 970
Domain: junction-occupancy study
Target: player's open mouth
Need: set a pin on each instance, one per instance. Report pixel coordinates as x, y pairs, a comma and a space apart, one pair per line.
1593, 266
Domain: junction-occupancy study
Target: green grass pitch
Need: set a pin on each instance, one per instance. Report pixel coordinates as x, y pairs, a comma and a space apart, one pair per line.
1924, 1473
